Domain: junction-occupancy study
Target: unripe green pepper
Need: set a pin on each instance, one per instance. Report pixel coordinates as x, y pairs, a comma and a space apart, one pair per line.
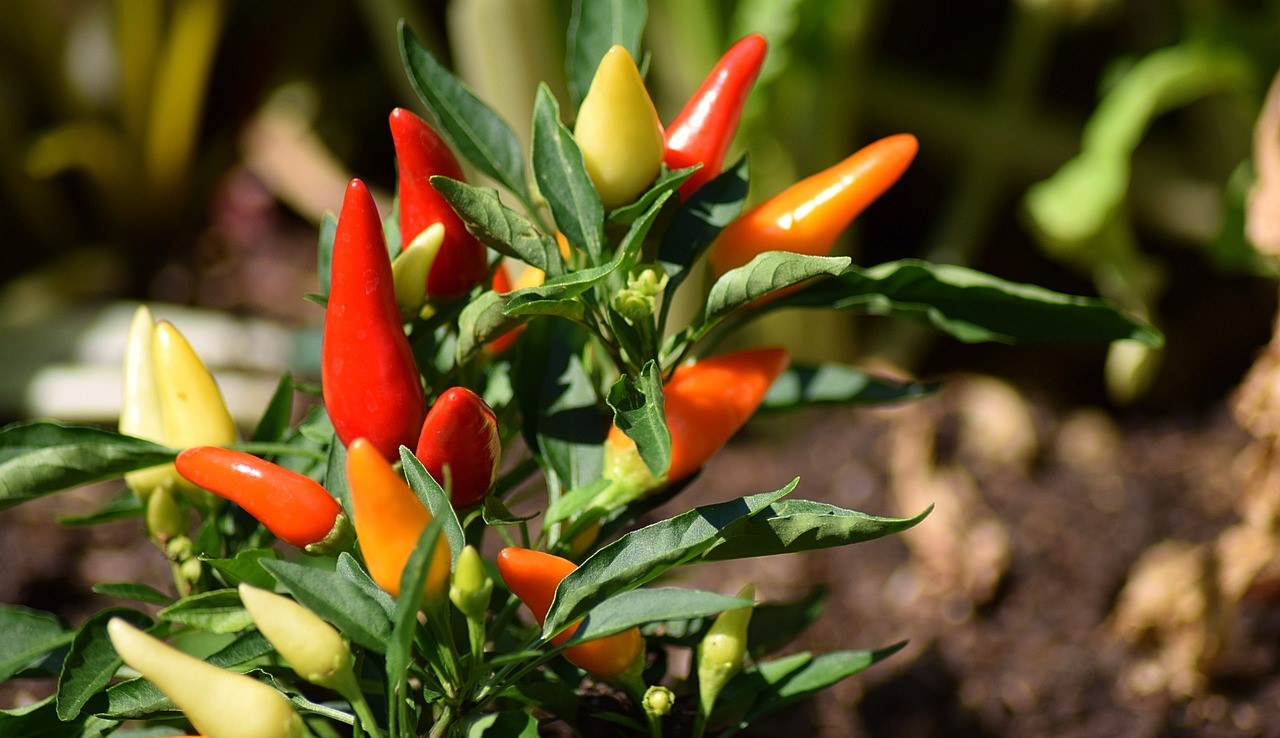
313, 648
721, 652
618, 131
219, 703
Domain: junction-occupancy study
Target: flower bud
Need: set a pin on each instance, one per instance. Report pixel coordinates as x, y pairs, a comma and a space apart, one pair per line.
471, 586
658, 701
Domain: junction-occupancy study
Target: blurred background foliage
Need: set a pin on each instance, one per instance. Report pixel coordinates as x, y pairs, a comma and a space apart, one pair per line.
182, 151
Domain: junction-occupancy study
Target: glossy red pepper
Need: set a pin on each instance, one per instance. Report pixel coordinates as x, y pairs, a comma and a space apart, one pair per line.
533, 577
292, 506
703, 130
808, 216
370, 382
421, 154
460, 446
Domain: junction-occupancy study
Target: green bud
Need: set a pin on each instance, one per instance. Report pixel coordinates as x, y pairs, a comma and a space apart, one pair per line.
179, 548
633, 305
471, 586
191, 569
647, 280
722, 650
165, 515
658, 701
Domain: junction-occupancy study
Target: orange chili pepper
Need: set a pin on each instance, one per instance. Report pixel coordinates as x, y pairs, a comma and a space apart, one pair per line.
808, 216
533, 577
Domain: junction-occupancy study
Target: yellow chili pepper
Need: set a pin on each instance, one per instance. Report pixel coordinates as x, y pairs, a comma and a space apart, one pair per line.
618, 131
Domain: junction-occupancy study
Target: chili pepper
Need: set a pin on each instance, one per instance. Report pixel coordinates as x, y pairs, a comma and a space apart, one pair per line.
140, 413
219, 703
459, 445
409, 271
369, 380
462, 260
808, 216
703, 130
165, 516
533, 577
705, 402
313, 648
293, 506
389, 519
721, 652
618, 130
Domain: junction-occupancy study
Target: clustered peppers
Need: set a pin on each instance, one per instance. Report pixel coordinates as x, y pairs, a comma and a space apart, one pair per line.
704, 128
460, 446
808, 216
461, 261
533, 577
368, 376
292, 506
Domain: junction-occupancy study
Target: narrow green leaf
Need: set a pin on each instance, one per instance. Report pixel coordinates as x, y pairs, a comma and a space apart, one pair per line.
562, 178
775, 691
637, 607
435, 498
219, 611
482, 320
324, 251
558, 291
766, 273
495, 512
973, 306
668, 181
122, 506
831, 383
776, 624
40, 457
697, 223
594, 27
27, 635
274, 424
792, 526
335, 474
246, 566
638, 412
351, 569
474, 129
91, 661
575, 500
643, 554
133, 591
40, 720
337, 599
499, 227
400, 645
508, 724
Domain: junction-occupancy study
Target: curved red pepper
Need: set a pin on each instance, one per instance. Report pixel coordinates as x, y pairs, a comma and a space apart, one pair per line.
460, 446
292, 506
703, 130
369, 379
462, 261
533, 577
808, 216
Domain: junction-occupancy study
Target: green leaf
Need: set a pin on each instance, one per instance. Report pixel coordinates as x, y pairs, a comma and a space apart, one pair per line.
562, 178
26, 636
351, 569
668, 181
219, 611
122, 506
499, 227
641, 555
594, 27
414, 575
575, 500
508, 724
775, 624
556, 296
474, 129
335, 474
91, 661
495, 512
435, 498
246, 566
697, 223
831, 383
766, 273
482, 320
274, 424
324, 251
337, 599
637, 607
40, 457
638, 412
791, 526
133, 591
973, 306
40, 720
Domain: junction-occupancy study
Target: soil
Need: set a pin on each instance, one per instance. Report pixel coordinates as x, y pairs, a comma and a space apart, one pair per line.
1006, 592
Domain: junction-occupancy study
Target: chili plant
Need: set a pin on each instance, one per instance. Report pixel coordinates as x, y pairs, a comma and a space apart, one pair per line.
382, 616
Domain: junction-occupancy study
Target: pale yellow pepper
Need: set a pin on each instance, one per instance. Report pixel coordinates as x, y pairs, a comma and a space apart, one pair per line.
618, 131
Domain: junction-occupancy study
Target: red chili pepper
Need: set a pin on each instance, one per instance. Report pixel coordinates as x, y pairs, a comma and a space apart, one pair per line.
808, 216
291, 505
703, 130
705, 404
533, 577
462, 260
460, 446
370, 381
